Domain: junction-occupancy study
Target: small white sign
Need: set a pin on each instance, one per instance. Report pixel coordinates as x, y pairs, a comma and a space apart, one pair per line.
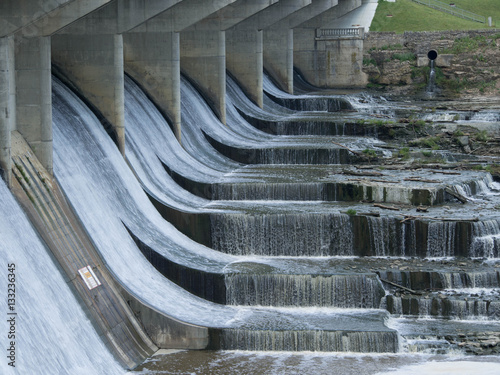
89, 277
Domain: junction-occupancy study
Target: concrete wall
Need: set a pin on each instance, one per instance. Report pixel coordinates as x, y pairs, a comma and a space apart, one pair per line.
7, 104
341, 63
152, 53
203, 50
203, 59
34, 96
32, 18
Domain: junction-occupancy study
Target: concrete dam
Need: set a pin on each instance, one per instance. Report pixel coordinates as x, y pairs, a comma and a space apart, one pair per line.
183, 175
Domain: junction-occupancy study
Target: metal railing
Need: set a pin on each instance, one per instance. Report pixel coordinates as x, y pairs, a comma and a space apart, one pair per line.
444, 7
348, 32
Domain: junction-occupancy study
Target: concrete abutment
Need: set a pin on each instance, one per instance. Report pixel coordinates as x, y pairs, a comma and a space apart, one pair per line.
7, 104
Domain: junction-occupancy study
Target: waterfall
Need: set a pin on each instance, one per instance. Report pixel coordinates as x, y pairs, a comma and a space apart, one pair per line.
270, 191
486, 239
343, 290
84, 156
364, 342
481, 187
447, 307
304, 234
303, 156
432, 79
309, 103
441, 239
387, 236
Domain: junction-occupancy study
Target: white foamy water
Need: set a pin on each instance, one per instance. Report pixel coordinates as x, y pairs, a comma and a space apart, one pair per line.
448, 368
52, 334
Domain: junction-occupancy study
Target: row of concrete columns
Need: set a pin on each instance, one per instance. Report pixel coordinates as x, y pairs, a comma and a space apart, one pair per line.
94, 42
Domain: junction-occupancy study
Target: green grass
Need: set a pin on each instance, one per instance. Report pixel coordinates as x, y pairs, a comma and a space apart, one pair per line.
410, 16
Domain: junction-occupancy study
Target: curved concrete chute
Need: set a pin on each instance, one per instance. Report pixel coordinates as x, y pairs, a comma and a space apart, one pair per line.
57, 336
113, 196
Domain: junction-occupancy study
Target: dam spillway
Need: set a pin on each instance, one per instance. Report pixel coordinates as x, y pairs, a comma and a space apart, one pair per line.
297, 281
190, 203
323, 263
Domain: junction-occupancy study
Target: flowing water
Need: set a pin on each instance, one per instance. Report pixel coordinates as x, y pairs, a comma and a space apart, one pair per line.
298, 274
45, 330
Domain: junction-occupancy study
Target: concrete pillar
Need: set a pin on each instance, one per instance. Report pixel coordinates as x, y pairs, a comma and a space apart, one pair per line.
244, 45
313, 58
94, 63
278, 56
203, 50
152, 53
152, 59
203, 59
7, 104
34, 96
244, 60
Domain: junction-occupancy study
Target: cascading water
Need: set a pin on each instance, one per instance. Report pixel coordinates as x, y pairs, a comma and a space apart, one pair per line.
343, 290
432, 79
283, 234
113, 195
51, 333
432, 55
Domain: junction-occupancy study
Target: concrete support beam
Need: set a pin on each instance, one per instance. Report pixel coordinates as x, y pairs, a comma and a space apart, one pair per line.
244, 46
152, 53
94, 63
182, 15
119, 16
203, 59
34, 96
318, 61
278, 42
203, 50
152, 59
278, 56
7, 104
244, 60
30, 18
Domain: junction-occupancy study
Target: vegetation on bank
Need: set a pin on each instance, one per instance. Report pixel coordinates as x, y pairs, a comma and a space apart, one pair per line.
406, 15
474, 68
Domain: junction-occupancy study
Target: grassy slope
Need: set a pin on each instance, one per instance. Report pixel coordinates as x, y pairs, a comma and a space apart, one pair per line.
410, 16
487, 8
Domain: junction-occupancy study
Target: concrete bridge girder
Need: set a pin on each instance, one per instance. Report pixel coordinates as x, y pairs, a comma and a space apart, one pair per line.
244, 46
323, 63
203, 50
278, 61
152, 53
